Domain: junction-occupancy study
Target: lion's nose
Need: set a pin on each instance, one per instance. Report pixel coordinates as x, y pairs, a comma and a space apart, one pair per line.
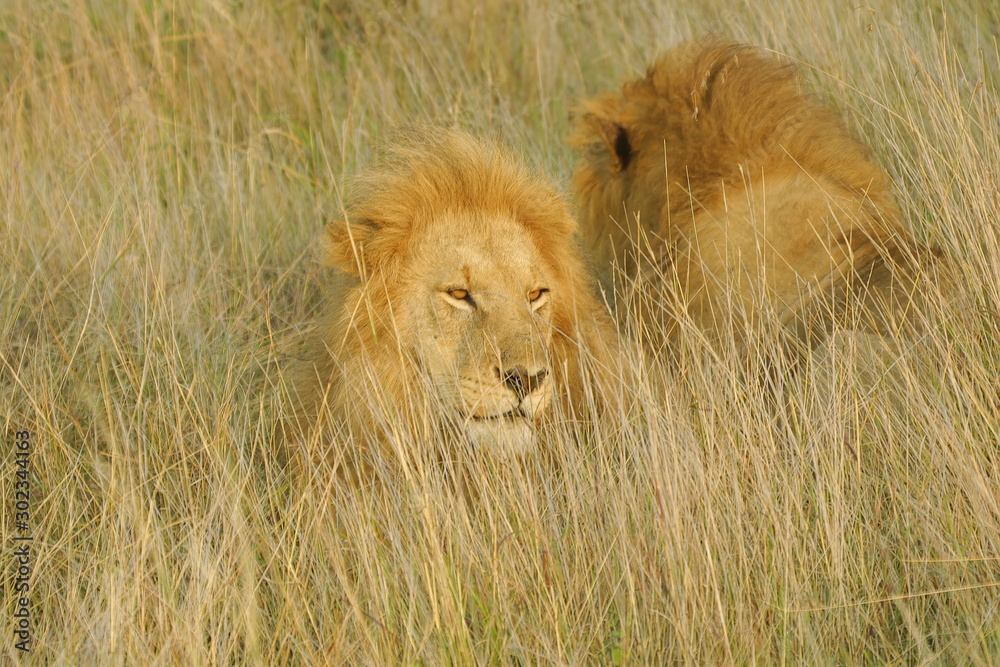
520, 382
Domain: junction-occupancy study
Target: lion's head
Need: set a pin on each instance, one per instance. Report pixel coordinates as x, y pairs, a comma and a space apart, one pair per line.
726, 192
465, 294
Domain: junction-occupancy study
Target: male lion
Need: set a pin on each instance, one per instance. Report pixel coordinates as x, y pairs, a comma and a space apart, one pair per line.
749, 197
463, 294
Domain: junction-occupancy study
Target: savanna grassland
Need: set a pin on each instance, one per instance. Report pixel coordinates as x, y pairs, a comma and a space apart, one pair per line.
165, 172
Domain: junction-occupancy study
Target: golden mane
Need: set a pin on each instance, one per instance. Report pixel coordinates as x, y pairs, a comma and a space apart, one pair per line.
429, 178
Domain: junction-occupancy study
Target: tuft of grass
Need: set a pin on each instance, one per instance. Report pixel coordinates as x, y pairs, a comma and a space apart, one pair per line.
165, 169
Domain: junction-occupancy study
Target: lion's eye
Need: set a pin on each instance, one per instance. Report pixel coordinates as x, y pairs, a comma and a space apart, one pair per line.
536, 294
461, 298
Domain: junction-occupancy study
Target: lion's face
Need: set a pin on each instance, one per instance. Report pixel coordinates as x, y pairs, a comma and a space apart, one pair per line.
478, 313
463, 292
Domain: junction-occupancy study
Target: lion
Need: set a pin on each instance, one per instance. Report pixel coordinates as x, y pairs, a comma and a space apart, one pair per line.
463, 299
748, 197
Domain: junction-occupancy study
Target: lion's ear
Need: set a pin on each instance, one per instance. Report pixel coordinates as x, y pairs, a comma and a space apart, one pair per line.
605, 133
345, 245
622, 145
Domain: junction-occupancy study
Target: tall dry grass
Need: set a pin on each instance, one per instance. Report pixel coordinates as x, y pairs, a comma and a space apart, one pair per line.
165, 168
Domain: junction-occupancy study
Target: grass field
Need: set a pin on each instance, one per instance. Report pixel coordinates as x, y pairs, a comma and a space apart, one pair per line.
165, 170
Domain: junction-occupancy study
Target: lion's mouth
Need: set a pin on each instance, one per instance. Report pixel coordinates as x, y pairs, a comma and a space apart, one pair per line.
510, 415
506, 433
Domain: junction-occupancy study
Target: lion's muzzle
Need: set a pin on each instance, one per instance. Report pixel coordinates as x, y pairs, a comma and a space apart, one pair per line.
520, 396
